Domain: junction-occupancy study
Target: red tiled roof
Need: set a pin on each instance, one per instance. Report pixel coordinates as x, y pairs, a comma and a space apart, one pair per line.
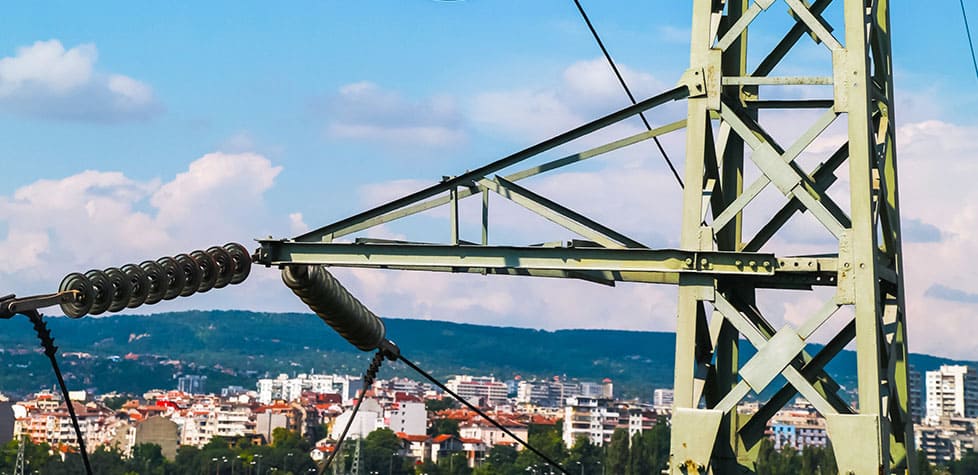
411, 438
441, 438
405, 397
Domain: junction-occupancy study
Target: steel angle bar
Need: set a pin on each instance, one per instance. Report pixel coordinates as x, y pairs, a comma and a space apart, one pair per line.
823, 177
754, 429
741, 127
600, 277
813, 24
780, 281
791, 104
560, 215
679, 92
776, 81
787, 175
466, 192
738, 28
790, 39
756, 338
277, 252
609, 147
752, 315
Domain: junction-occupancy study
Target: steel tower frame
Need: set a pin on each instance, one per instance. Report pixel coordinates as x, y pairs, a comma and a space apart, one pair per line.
717, 271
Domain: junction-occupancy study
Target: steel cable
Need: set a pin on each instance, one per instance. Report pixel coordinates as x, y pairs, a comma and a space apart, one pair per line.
631, 97
485, 416
971, 44
368, 380
44, 334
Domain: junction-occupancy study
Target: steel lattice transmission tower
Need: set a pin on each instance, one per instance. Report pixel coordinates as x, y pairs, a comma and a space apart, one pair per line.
721, 264
869, 264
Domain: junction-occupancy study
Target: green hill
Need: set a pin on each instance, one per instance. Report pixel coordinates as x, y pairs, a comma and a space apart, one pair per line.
237, 347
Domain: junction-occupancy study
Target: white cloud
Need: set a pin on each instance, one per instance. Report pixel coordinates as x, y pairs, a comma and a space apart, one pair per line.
364, 111
379, 193
586, 91
47, 64
100, 219
296, 223
512, 301
217, 190
45, 80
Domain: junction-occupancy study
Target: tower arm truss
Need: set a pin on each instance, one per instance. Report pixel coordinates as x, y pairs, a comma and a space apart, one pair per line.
735, 165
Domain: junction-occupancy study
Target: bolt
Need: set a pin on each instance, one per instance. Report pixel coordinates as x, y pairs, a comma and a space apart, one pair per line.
689, 262
739, 263
752, 263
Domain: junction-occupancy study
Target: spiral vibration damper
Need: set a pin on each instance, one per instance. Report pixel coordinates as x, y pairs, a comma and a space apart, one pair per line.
336, 306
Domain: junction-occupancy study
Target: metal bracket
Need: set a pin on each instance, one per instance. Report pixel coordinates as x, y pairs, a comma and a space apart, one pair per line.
10, 305
693, 435
846, 284
772, 358
695, 80
861, 451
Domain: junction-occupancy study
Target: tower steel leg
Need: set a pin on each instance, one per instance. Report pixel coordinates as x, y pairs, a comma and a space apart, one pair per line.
874, 434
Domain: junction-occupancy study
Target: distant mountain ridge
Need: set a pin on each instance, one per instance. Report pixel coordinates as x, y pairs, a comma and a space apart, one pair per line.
237, 347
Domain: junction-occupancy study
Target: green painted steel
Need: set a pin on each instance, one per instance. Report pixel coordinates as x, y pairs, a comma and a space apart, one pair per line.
720, 264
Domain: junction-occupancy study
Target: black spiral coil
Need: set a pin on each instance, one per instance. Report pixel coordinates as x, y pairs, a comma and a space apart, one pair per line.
132, 285
335, 305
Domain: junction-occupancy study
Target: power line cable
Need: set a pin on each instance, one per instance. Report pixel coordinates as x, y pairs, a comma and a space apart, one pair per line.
485, 416
631, 97
368, 380
971, 44
44, 334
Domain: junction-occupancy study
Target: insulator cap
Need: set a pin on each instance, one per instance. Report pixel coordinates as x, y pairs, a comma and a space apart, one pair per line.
335, 305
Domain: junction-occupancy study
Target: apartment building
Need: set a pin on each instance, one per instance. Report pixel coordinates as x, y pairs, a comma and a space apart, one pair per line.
484, 390
952, 391
284, 388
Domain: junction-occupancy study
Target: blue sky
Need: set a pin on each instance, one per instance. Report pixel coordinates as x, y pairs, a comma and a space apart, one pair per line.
132, 131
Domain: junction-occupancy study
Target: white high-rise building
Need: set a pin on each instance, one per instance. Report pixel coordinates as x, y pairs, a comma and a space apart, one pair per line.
952, 391
662, 398
369, 418
591, 418
478, 389
287, 389
408, 417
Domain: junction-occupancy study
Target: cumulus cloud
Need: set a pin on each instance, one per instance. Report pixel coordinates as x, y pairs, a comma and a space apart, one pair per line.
512, 301
45, 80
97, 219
587, 90
364, 111
297, 224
